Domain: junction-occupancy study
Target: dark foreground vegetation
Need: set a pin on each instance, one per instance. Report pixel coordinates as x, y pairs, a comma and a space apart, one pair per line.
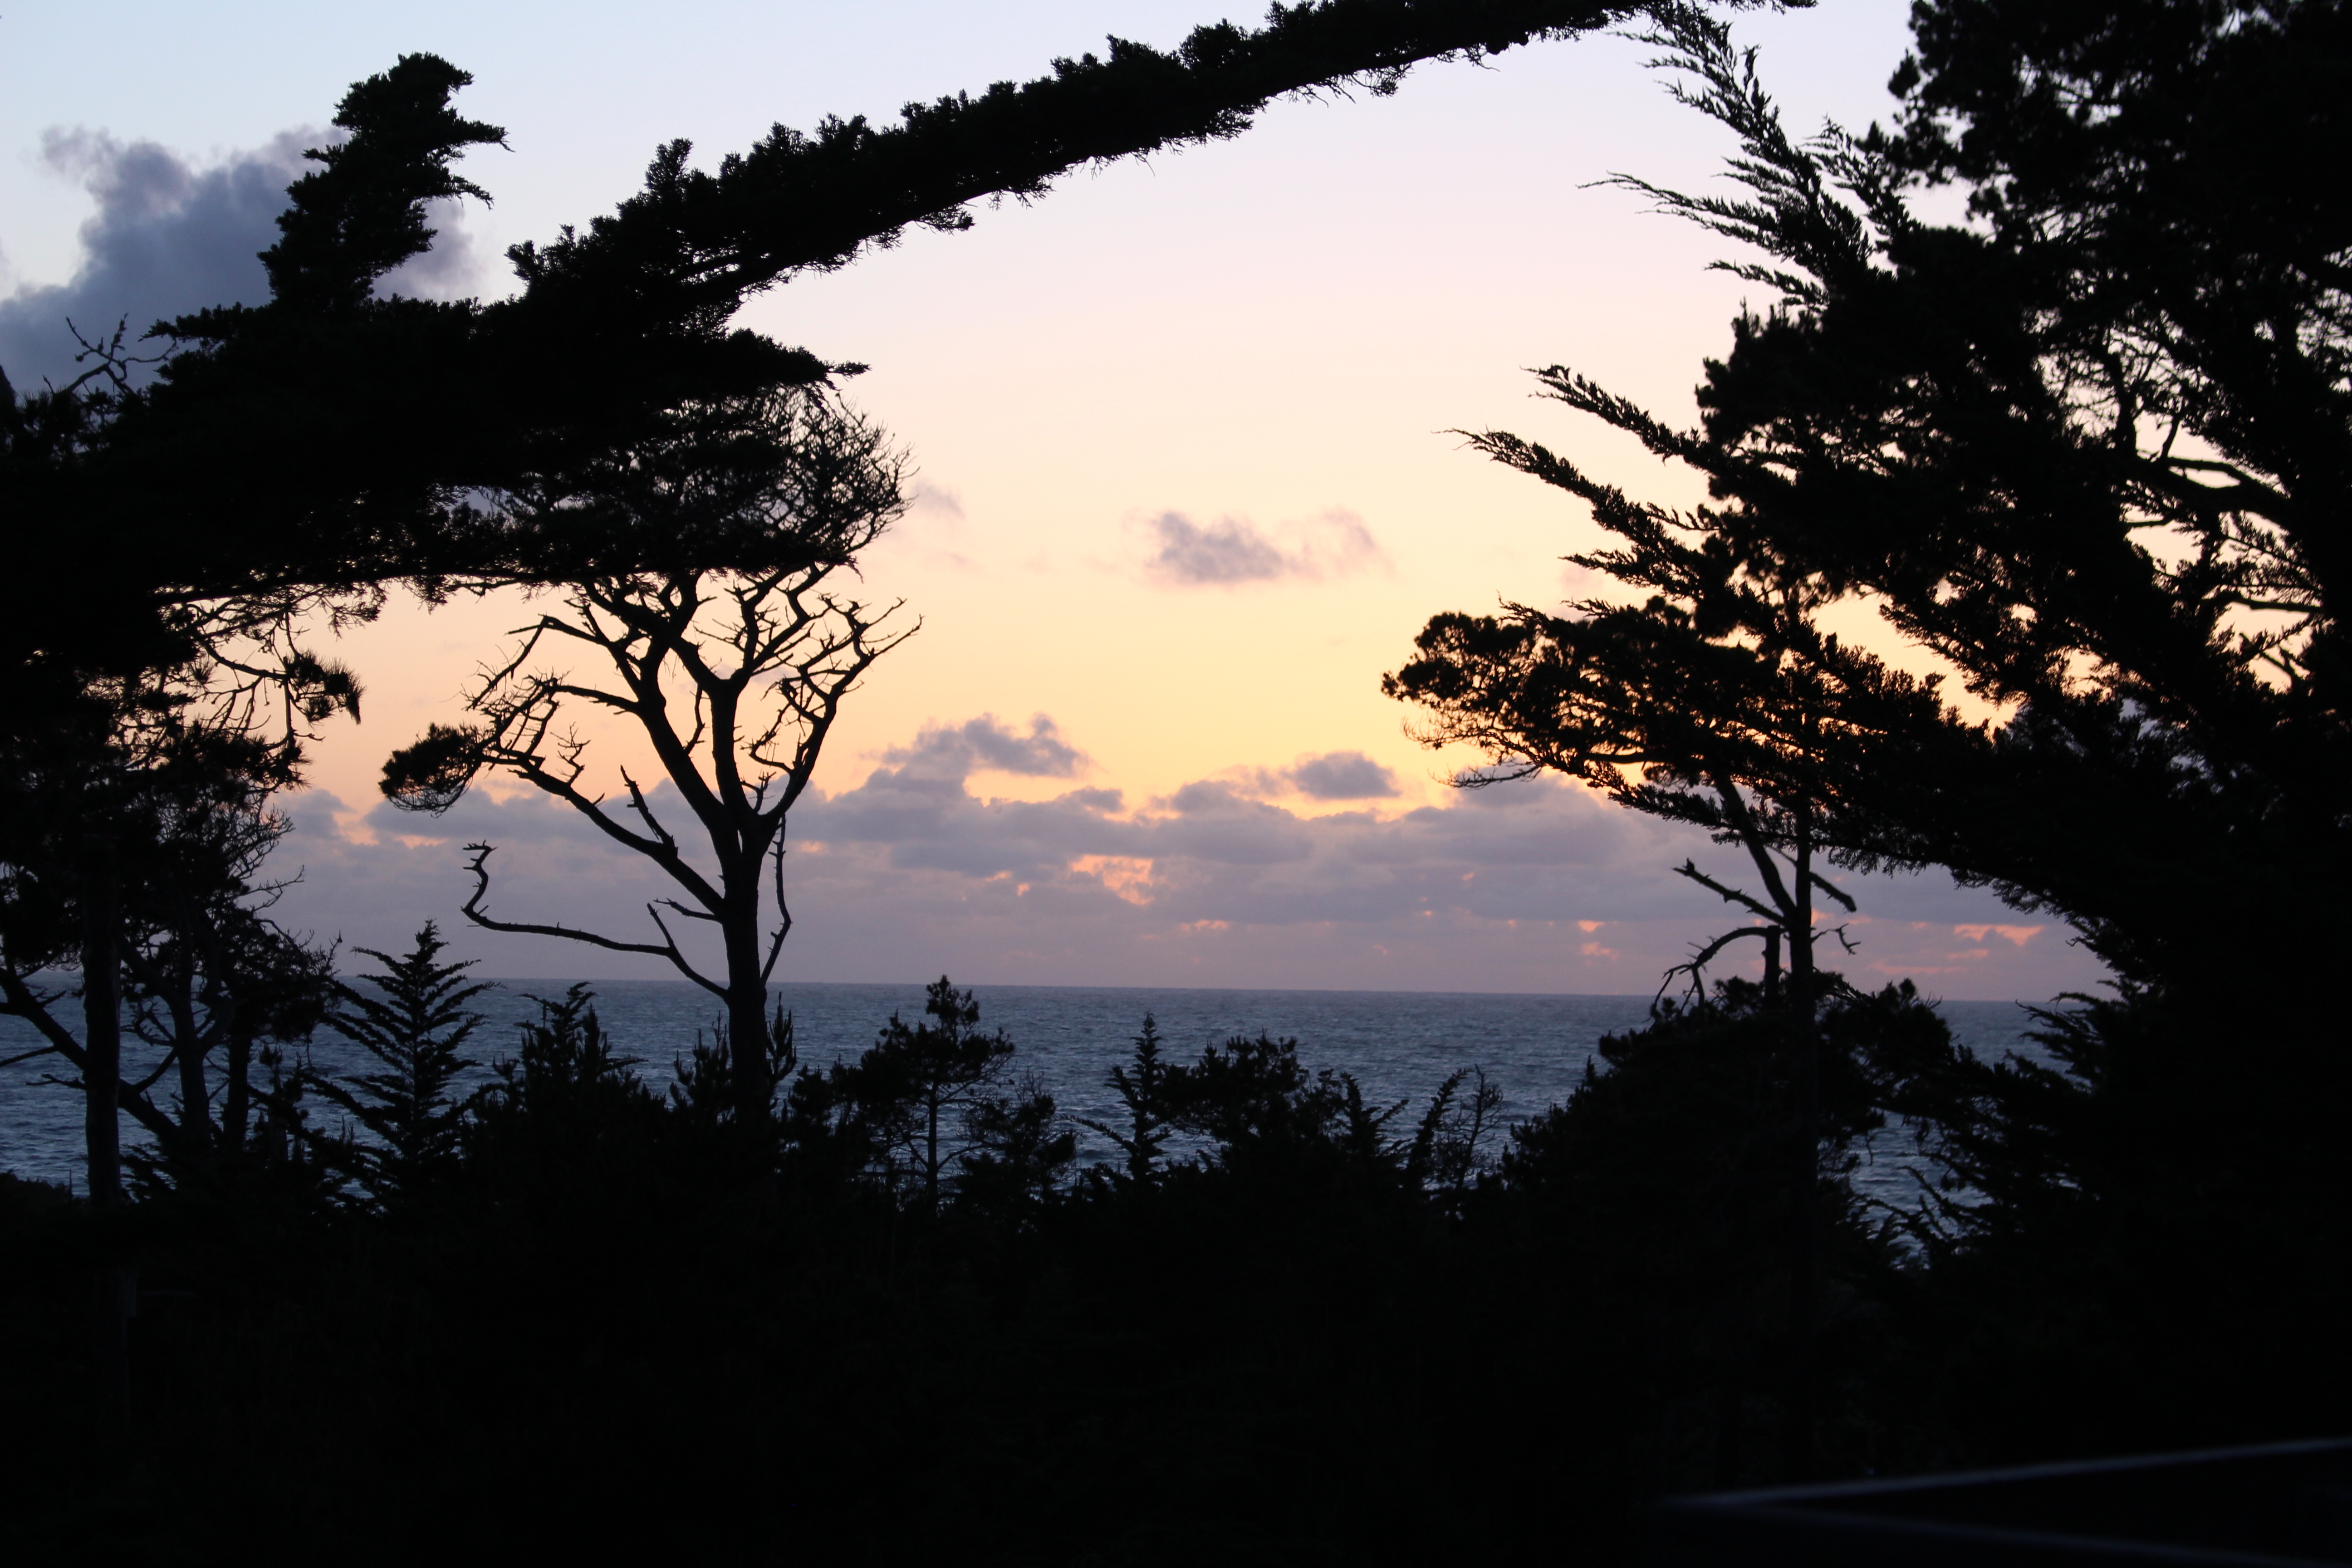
589, 1308
580, 1308
2087, 450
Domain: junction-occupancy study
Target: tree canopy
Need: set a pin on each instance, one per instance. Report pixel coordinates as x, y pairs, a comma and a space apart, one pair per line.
2082, 446
333, 441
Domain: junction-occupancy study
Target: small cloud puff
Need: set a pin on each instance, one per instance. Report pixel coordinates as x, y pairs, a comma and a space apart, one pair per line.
1334, 776
928, 497
984, 746
1341, 775
1232, 551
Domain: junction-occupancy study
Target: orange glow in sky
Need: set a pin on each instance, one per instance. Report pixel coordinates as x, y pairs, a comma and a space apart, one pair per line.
1263, 344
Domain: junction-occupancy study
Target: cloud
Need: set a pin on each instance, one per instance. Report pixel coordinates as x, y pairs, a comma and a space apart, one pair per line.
1342, 776
1232, 551
929, 497
984, 746
1534, 886
1225, 552
170, 237
2020, 935
167, 239
453, 268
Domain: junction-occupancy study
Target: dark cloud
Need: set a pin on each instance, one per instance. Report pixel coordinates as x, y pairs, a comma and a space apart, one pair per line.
984, 744
170, 237
167, 239
1342, 776
1232, 551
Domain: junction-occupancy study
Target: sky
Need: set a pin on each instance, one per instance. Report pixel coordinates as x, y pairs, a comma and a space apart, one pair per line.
1186, 479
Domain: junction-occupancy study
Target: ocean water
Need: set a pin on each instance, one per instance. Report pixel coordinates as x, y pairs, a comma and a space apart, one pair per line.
1399, 1044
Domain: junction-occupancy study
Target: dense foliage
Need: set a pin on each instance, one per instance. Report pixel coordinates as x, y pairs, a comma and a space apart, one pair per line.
2085, 448
896, 1320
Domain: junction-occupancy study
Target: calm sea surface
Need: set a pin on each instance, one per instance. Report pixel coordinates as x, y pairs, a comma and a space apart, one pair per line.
1399, 1044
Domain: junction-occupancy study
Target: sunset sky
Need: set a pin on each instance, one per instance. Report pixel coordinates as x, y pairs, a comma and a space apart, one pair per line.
1186, 485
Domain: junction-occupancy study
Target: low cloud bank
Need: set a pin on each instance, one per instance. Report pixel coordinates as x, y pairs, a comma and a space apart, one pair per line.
1531, 887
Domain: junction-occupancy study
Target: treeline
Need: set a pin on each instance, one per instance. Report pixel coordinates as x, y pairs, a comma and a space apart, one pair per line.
588, 1302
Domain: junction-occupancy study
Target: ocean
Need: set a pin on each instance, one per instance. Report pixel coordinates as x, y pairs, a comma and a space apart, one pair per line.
1399, 1044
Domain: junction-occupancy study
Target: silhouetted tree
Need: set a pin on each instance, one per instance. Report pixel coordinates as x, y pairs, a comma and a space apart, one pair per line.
926, 1093
569, 1131
390, 426
2026, 393
1263, 1112
2086, 446
1660, 1189
160, 908
1141, 1084
1444, 1150
416, 1030
143, 727
702, 241
393, 428
1020, 1147
734, 678
1716, 699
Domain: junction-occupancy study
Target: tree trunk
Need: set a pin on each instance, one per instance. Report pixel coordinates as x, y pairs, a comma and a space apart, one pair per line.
236, 1095
101, 1012
931, 1151
1804, 1175
196, 1099
747, 997
101, 995
747, 1048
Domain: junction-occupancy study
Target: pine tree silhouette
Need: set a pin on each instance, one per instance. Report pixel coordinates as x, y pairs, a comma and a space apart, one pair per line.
415, 1029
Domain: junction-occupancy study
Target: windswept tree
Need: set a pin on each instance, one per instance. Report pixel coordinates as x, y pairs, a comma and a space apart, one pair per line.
147, 720
1713, 700
2088, 447
733, 676
389, 426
